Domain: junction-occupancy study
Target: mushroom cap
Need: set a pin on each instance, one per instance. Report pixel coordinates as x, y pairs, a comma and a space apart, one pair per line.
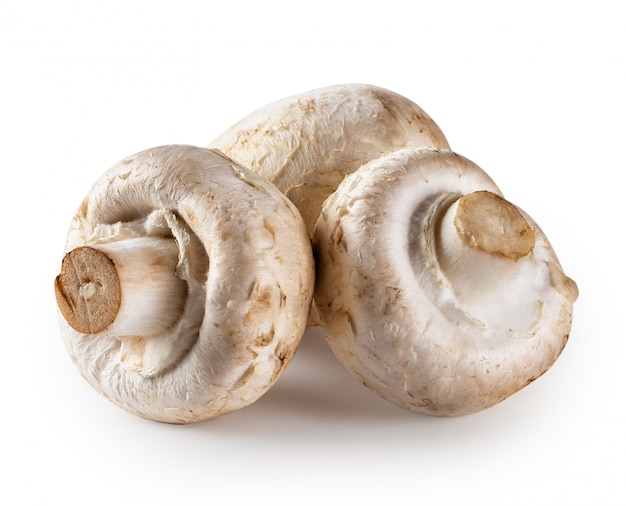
392, 315
306, 144
248, 264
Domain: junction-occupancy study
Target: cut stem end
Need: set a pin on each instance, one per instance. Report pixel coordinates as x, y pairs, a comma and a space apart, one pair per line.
126, 288
88, 290
487, 222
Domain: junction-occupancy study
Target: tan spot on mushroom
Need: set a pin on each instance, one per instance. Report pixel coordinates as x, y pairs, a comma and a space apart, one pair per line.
307, 106
83, 209
270, 229
351, 324
426, 403
245, 376
265, 338
338, 238
283, 356
252, 352
243, 137
260, 302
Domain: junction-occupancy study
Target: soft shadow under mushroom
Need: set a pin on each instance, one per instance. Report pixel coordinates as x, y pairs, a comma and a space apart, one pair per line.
315, 390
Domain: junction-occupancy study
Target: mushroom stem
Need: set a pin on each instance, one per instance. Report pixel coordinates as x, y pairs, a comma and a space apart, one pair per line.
484, 247
123, 288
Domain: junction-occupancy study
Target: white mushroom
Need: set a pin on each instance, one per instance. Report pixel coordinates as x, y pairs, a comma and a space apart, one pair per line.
434, 291
186, 285
306, 144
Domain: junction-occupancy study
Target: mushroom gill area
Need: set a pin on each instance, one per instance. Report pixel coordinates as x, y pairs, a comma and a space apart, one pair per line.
481, 251
141, 283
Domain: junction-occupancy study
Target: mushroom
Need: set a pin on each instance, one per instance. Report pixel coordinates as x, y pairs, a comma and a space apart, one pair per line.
433, 290
186, 284
306, 144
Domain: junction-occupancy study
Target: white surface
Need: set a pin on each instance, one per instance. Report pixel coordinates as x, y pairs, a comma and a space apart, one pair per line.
532, 92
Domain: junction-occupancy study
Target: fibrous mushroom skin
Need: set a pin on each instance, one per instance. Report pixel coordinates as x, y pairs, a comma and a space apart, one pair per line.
245, 260
306, 144
421, 314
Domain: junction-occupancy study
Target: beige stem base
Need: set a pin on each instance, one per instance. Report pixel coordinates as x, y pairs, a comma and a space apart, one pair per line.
124, 288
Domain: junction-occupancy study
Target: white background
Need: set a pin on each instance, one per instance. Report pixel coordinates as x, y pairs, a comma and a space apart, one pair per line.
533, 92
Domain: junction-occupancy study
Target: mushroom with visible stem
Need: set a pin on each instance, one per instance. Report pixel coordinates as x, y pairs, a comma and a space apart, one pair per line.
432, 289
186, 284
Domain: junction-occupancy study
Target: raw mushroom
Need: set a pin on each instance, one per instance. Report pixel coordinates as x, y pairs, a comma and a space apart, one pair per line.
306, 144
434, 291
186, 284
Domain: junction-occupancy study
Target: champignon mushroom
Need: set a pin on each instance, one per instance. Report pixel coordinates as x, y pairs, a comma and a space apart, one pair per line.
306, 144
433, 290
186, 284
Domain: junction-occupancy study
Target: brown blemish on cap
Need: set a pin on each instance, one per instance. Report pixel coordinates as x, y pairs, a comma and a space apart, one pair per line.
489, 223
